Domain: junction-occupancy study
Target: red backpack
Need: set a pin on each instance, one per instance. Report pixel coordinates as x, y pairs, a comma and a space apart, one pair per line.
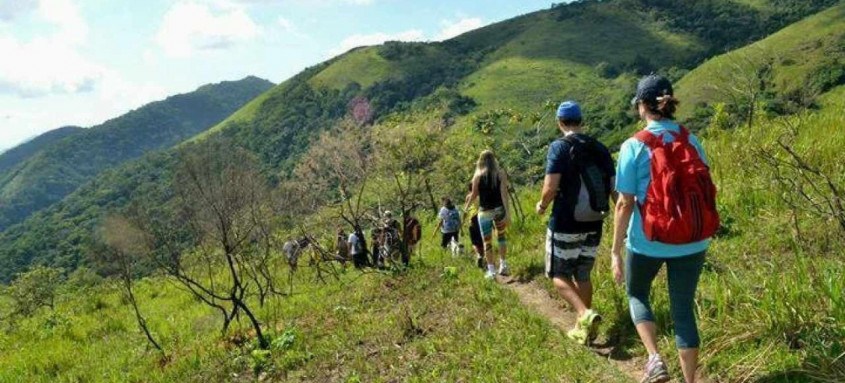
680, 205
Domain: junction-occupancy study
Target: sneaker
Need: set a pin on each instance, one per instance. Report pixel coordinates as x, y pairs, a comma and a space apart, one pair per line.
480, 262
578, 334
655, 371
489, 275
590, 322
504, 270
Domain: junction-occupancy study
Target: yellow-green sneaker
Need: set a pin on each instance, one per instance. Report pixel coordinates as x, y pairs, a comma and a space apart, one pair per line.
579, 335
590, 323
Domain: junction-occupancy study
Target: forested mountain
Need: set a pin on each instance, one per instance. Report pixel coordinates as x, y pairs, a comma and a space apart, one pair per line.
50, 175
399, 125
497, 81
10, 158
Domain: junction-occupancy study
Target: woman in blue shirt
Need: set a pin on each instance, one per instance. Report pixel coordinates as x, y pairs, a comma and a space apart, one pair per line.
656, 105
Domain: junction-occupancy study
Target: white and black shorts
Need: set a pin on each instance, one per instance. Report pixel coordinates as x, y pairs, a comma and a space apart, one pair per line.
571, 255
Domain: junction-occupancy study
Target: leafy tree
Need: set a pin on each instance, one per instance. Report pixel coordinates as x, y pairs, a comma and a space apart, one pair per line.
35, 289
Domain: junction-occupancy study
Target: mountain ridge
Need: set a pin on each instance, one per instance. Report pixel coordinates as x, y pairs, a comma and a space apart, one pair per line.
48, 176
499, 76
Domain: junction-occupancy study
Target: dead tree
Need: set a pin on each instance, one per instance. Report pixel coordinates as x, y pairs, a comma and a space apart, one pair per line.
215, 239
805, 186
120, 249
742, 81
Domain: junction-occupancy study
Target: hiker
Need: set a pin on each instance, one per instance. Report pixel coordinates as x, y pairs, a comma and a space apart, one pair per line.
660, 227
490, 187
357, 249
475, 234
342, 246
292, 250
411, 235
376, 253
579, 175
449, 223
389, 222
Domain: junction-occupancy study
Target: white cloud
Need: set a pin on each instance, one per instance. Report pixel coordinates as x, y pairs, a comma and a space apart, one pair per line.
286, 24
118, 96
459, 27
359, 2
10, 9
359, 40
65, 15
190, 26
52, 63
44, 66
449, 30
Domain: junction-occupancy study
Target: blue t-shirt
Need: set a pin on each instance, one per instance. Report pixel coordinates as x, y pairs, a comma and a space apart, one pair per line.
451, 220
633, 174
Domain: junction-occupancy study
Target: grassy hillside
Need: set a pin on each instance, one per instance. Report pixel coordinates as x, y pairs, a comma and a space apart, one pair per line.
770, 304
494, 87
784, 71
12, 157
420, 326
50, 175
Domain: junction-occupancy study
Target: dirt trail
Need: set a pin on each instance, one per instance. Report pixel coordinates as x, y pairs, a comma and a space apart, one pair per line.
538, 299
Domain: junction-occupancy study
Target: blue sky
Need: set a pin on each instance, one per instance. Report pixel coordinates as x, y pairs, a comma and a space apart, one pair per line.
80, 62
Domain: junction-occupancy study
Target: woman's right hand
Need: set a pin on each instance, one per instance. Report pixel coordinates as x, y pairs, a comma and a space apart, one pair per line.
618, 268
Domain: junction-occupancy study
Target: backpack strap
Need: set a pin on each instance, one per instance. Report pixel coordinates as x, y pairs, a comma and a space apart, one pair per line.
649, 139
683, 134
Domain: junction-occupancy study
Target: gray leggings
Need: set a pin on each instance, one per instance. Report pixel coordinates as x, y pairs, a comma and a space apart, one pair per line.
683, 273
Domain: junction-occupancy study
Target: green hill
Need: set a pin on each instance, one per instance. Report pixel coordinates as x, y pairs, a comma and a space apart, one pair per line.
498, 79
50, 175
12, 157
783, 72
770, 302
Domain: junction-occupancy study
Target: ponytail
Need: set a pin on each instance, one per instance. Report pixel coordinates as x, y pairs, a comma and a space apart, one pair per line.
665, 106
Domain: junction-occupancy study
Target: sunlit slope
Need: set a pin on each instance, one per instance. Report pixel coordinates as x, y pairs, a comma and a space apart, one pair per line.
797, 63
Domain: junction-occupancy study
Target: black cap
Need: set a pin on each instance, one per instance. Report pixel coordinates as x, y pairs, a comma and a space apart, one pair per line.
651, 87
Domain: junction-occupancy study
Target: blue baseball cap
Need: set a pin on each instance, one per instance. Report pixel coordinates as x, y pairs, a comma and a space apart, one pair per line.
569, 110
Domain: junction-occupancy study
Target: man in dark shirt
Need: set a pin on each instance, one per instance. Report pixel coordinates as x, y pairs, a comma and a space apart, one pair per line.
571, 244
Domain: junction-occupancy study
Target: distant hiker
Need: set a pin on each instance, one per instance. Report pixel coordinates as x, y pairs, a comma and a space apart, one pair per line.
357, 248
376, 253
449, 222
579, 177
389, 241
667, 211
411, 234
342, 246
292, 250
490, 187
389, 222
475, 234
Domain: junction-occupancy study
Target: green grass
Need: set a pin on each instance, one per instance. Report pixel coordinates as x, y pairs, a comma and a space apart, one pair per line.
601, 34
419, 326
363, 66
771, 304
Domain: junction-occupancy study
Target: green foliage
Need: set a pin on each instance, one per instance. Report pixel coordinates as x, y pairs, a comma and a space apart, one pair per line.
12, 157
517, 65
443, 322
34, 289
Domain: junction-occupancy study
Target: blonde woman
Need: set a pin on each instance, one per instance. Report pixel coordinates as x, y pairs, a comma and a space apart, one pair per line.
490, 187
